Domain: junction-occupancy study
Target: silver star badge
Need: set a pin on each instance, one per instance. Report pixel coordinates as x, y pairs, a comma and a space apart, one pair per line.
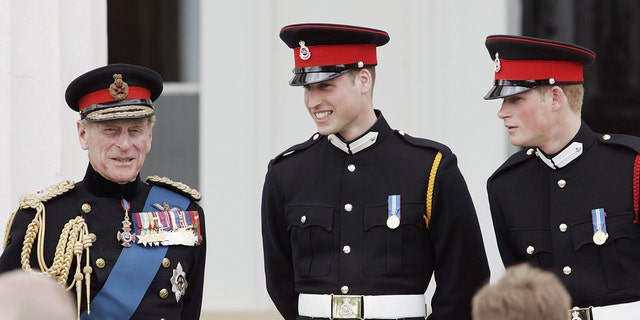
179, 282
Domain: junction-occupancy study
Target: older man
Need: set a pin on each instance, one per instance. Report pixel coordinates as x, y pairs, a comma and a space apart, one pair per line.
130, 249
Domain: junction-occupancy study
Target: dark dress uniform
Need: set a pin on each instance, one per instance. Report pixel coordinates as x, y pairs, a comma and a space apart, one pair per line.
324, 222
98, 201
107, 239
571, 212
542, 215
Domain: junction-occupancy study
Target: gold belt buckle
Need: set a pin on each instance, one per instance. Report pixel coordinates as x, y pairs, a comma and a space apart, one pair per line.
346, 307
580, 313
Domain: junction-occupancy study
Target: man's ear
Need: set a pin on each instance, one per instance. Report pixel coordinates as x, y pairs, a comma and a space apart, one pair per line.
365, 80
558, 96
82, 134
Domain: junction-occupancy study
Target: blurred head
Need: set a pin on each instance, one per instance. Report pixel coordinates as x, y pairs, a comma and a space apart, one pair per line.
28, 296
523, 293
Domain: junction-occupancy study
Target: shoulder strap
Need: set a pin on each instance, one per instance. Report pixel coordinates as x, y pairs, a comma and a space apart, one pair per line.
430, 186
130, 278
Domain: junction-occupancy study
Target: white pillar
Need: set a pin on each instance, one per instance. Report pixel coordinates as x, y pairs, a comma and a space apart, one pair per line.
44, 44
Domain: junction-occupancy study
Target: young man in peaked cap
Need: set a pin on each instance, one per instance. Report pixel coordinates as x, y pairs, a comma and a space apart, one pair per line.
128, 249
356, 219
568, 201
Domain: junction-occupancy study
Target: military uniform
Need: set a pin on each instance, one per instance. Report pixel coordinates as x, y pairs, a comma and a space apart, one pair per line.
98, 201
128, 249
573, 212
542, 215
325, 212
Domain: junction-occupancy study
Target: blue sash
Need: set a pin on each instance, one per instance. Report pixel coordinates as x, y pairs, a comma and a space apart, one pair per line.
130, 278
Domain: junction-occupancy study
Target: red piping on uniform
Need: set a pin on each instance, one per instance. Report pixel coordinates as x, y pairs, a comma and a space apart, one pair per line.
636, 188
545, 43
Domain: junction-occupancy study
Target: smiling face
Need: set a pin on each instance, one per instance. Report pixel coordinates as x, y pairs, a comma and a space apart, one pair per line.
117, 148
342, 105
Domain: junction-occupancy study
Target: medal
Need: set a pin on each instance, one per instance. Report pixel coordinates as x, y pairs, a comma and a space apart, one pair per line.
393, 212
393, 222
600, 234
600, 237
126, 237
178, 282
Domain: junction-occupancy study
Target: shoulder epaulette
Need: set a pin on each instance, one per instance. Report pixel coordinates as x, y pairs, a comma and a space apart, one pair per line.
299, 147
34, 200
425, 143
175, 186
626, 140
514, 159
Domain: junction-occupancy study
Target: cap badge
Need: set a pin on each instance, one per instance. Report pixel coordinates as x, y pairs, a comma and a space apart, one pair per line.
305, 53
497, 62
118, 89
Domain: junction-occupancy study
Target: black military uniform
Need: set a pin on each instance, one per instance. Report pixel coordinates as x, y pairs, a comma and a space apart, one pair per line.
175, 290
571, 212
329, 231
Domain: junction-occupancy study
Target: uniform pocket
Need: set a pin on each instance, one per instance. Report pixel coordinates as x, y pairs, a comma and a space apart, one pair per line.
311, 239
614, 263
394, 251
535, 246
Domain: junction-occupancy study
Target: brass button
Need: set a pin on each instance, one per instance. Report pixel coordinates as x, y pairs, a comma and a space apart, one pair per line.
530, 249
86, 208
100, 263
166, 263
562, 183
164, 293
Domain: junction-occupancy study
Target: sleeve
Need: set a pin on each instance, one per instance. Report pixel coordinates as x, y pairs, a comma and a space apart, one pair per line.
461, 266
193, 301
277, 250
507, 246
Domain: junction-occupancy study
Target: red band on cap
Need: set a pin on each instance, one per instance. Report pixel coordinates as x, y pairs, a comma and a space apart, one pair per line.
561, 71
331, 55
103, 96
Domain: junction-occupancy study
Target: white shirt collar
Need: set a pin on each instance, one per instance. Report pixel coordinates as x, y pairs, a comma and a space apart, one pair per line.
355, 146
570, 153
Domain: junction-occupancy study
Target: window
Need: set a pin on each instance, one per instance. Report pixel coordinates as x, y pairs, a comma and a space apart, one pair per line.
612, 30
163, 35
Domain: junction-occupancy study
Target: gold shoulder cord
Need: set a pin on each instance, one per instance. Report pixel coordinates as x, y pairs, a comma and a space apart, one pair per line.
191, 192
430, 186
74, 239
